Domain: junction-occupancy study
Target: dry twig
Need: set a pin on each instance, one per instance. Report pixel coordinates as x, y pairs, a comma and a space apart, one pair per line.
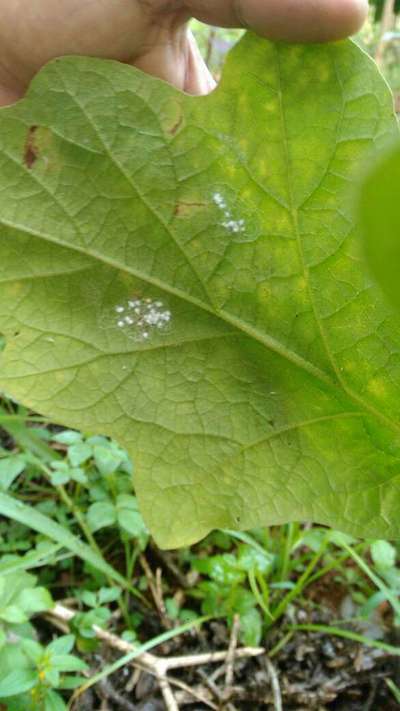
168, 562
157, 666
276, 689
230, 659
155, 585
111, 693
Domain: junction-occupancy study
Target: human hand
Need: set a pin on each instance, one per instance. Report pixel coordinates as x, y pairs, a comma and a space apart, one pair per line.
152, 34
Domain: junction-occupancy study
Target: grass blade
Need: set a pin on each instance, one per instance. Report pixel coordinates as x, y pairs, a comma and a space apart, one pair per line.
390, 596
347, 634
33, 559
16, 510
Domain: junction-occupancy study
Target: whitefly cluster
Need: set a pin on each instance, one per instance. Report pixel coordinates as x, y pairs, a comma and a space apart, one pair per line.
229, 223
141, 318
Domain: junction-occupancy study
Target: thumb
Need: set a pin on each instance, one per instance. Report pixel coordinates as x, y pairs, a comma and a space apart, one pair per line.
198, 78
290, 20
177, 61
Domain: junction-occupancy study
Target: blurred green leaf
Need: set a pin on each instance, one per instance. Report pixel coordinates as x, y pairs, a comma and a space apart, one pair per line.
17, 682
33, 650
67, 437
101, 514
10, 468
67, 663
79, 454
54, 702
130, 518
107, 460
251, 628
223, 569
107, 595
383, 554
62, 645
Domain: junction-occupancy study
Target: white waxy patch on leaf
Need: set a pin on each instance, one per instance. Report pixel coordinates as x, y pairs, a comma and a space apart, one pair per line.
230, 224
142, 318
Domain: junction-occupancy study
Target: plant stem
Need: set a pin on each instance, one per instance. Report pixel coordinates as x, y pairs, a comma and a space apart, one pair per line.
290, 532
300, 585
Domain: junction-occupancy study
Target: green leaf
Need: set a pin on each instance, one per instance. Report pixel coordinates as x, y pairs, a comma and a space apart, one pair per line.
107, 595
43, 554
17, 682
89, 598
209, 307
380, 221
251, 628
79, 454
60, 477
33, 650
253, 559
68, 663
54, 702
242, 601
11, 584
71, 682
130, 518
84, 622
62, 645
33, 600
10, 468
394, 689
13, 657
223, 569
13, 614
383, 554
77, 474
106, 460
68, 437
100, 515
16, 510
51, 676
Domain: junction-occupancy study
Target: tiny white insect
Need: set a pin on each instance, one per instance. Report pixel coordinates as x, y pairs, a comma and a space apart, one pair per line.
140, 317
234, 226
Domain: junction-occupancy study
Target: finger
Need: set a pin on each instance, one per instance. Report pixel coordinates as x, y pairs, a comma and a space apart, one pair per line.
290, 20
179, 62
9, 96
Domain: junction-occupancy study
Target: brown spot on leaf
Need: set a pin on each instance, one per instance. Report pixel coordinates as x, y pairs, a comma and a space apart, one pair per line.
185, 209
175, 128
30, 150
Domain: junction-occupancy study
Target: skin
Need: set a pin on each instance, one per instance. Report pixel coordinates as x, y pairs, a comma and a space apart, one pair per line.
153, 34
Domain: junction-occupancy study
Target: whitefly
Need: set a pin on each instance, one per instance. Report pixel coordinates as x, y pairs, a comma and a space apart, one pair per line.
140, 319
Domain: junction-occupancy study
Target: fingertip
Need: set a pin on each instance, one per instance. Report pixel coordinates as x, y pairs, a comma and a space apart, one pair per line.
304, 20
8, 97
345, 18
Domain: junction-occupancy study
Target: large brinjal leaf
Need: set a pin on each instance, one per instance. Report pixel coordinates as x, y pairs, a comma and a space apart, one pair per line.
182, 273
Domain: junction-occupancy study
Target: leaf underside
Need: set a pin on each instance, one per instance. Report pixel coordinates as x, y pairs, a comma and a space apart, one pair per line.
183, 274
